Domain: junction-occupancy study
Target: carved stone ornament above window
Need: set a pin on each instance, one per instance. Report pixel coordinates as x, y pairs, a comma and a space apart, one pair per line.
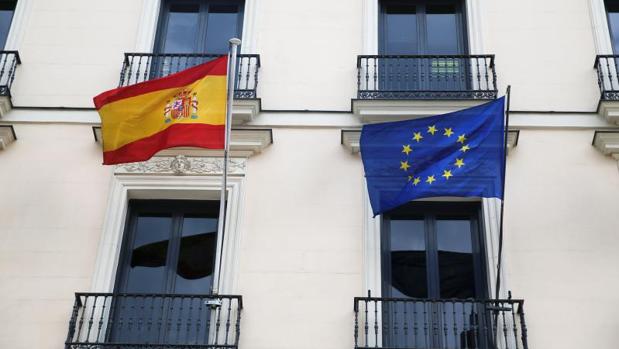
183, 165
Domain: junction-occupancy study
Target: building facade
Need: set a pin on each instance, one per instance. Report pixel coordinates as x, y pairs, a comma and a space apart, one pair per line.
303, 263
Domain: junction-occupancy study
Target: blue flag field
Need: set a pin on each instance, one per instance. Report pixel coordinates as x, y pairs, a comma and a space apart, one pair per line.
456, 154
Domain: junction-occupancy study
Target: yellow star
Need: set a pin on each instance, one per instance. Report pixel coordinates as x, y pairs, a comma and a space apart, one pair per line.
406, 149
459, 163
417, 136
404, 165
416, 180
447, 174
461, 139
430, 179
448, 132
465, 148
410, 178
432, 129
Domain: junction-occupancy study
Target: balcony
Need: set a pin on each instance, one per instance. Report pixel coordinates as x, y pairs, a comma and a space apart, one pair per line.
439, 323
134, 321
139, 67
403, 87
608, 81
8, 64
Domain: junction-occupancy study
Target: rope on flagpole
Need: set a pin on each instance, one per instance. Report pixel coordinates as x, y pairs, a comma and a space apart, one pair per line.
221, 222
500, 254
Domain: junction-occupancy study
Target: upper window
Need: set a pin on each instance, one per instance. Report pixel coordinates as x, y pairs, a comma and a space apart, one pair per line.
199, 26
7, 8
422, 27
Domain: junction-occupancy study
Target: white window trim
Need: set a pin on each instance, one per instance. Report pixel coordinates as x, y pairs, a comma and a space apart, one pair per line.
599, 23
147, 26
473, 20
372, 279
124, 187
18, 24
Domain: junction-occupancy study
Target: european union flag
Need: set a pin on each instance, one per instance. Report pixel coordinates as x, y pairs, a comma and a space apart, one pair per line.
455, 154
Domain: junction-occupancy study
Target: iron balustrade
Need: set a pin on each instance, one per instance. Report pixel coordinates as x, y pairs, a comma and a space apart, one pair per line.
607, 67
426, 77
390, 323
138, 321
8, 64
139, 67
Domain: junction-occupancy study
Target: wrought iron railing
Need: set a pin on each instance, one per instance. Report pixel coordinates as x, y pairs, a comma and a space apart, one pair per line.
390, 323
132, 321
426, 77
607, 67
8, 64
138, 67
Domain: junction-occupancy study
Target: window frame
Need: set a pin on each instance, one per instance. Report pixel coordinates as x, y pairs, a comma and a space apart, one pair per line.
176, 209
429, 211
162, 22
461, 23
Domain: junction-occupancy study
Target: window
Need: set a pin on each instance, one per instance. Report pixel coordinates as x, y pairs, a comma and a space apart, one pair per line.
432, 251
7, 8
612, 13
198, 26
422, 27
169, 247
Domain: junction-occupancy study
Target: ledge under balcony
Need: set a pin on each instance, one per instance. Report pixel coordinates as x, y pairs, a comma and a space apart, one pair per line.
141, 321
408, 323
139, 67
8, 64
391, 88
607, 67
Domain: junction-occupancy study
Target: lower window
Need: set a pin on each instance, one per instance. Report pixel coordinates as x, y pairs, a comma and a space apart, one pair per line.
433, 276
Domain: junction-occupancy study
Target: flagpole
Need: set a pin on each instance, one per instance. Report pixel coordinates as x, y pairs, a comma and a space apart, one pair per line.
500, 255
221, 227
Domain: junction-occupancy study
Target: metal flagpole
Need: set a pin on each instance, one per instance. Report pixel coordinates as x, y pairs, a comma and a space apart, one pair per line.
500, 255
221, 227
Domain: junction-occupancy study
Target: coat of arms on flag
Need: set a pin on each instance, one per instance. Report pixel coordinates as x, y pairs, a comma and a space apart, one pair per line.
183, 105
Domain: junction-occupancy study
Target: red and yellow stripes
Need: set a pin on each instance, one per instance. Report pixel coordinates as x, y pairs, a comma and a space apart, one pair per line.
183, 109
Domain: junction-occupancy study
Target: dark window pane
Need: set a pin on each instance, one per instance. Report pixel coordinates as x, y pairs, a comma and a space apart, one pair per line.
7, 8
442, 30
455, 258
182, 29
221, 26
408, 259
149, 254
400, 30
194, 271
612, 7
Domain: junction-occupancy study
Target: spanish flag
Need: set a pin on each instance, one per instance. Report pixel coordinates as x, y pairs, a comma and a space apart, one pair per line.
186, 109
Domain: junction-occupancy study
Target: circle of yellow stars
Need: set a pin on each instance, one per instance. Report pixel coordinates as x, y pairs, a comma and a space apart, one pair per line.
430, 132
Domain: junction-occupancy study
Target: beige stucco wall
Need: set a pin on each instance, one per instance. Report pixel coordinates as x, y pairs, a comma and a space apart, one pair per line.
561, 239
53, 192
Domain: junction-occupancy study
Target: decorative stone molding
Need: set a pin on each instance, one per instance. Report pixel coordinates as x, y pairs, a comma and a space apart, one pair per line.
371, 111
607, 142
244, 143
7, 136
610, 111
182, 165
350, 140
